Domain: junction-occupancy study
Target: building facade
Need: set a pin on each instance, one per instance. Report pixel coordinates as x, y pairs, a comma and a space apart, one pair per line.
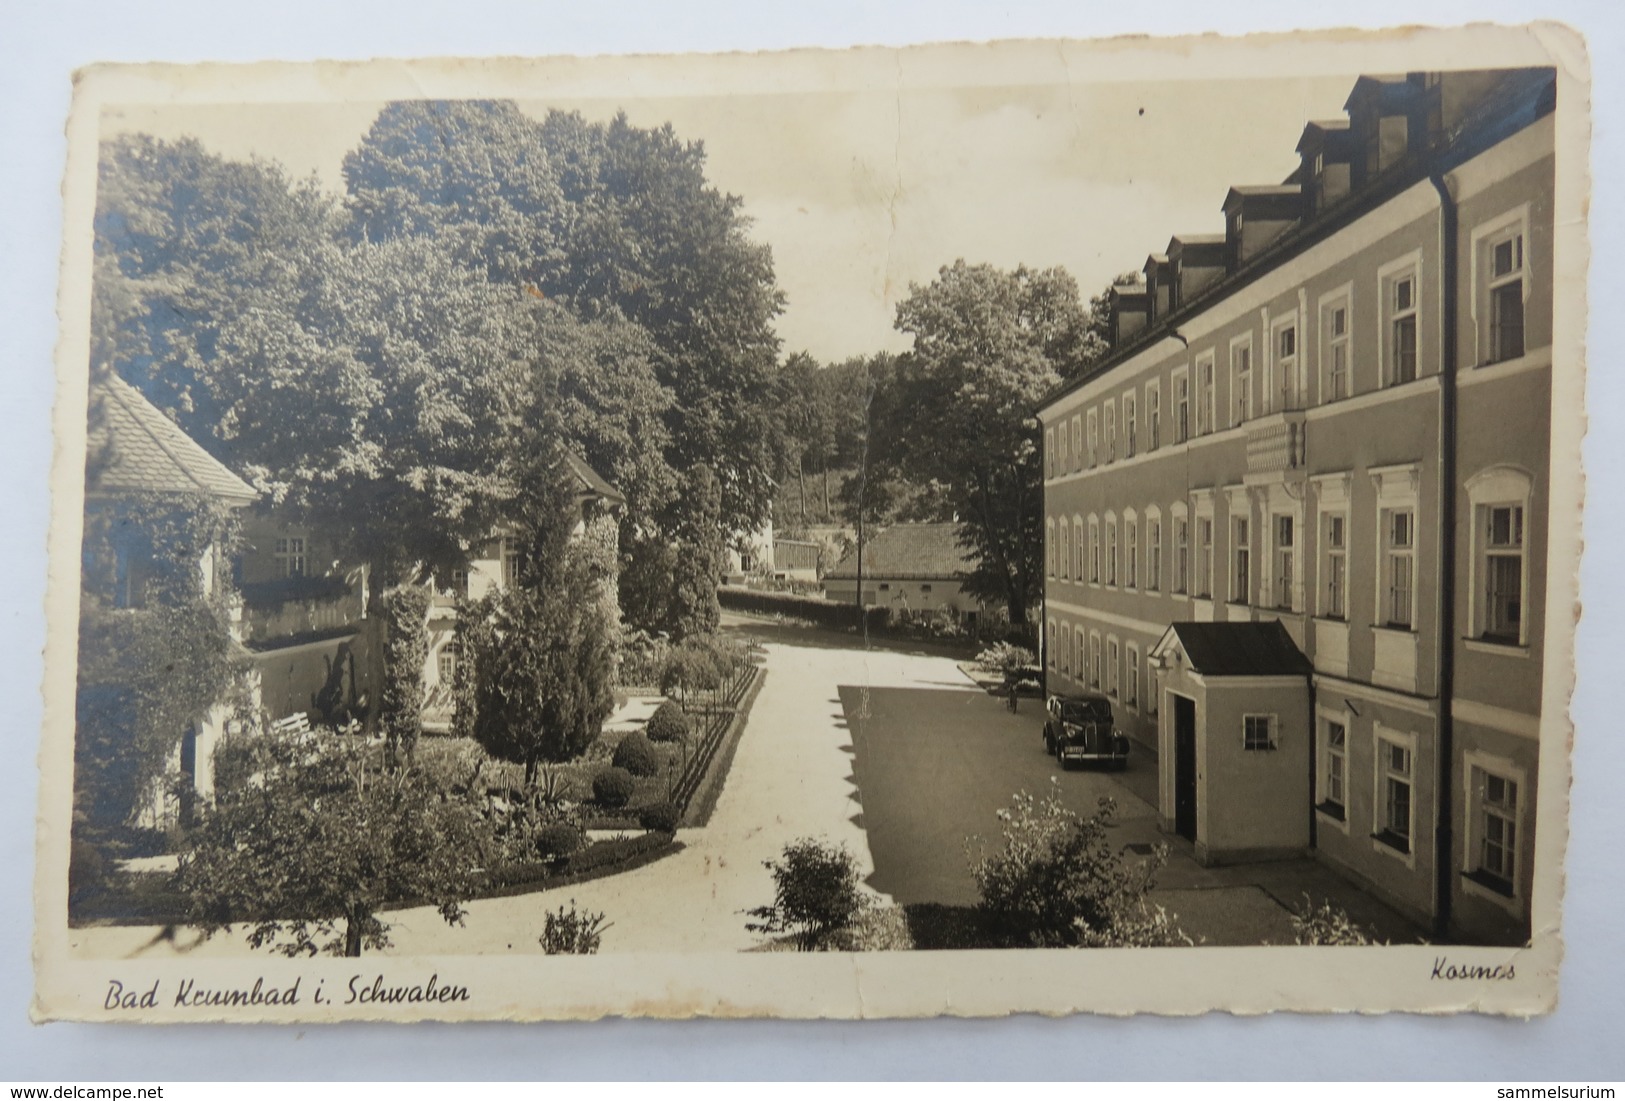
1335, 419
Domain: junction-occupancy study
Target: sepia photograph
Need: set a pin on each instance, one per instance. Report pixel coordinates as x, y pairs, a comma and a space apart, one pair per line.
1037, 526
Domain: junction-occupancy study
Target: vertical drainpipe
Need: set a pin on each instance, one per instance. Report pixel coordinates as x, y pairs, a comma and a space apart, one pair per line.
1444, 834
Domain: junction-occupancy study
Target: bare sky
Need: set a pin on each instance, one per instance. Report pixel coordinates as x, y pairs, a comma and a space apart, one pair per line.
862, 191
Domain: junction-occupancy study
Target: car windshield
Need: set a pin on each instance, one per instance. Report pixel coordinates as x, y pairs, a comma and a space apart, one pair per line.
1086, 711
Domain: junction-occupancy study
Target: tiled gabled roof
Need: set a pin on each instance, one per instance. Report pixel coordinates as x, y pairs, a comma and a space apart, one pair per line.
910, 550
142, 451
591, 479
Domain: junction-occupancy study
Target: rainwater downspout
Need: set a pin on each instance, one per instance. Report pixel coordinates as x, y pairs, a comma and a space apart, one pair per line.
1444, 834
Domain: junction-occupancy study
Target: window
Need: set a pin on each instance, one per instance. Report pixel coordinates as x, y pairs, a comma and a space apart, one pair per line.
1153, 416
1182, 554
1394, 802
1334, 767
1050, 547
1182, 407
1131, 689
1284, 562
1334, 603
290, 556
1153, 553
1493, 816
1204, 394
1077, 443
1500, 507
1241, 380
1094, 438
1398, 567
1400, 283
1094, 551
1066, 452
1065, 648
1077, 547
885, 586
1204, 556
1503, 572
511, 559
925, 588
1111, 432
1335, 339
1075, 648
1049, 453
1258, 732
446, 663
1111, 550
459, 581
1501, 290
1112, 663
1131, 551
1094, 661
1241, 575
1287, 384
1131, 427
1064, 553
1049, 634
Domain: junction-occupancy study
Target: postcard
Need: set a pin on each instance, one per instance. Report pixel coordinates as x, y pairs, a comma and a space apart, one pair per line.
1034, 526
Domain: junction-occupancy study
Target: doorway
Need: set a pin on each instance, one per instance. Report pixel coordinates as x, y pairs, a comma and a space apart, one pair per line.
1184, 766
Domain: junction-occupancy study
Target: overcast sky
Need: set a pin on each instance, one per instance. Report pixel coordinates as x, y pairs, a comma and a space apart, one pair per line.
862, 191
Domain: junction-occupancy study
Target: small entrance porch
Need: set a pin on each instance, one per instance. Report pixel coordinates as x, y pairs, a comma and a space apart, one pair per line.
1234, 740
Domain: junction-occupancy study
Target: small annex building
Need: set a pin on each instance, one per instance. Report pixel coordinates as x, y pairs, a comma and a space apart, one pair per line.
911, 569
1233, 750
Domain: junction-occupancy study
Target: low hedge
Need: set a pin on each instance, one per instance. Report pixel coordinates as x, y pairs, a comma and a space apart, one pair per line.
663, 817
836, 615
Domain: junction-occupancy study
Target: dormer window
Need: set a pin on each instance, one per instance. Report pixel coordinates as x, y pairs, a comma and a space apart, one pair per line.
1320, 163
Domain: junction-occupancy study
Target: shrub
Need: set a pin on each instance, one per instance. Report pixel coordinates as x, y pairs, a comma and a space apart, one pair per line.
1003, 657
669, 723
816, 895
662, 817
616, 852
1327, 925
1059, 882
572, 932
612, 787
636, 755
558, 839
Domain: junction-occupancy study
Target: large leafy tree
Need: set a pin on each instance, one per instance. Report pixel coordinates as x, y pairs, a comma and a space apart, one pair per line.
187, 243
473, 174
609, 218
988, 344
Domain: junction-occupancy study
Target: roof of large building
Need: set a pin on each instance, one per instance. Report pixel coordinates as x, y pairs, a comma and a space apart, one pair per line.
910, 550
139, 450
1238, 649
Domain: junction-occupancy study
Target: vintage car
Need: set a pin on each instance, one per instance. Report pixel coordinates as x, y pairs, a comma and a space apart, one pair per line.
1080, 728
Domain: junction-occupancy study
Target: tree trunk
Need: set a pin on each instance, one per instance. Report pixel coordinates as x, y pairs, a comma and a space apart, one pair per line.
826, 493
801, 476
352, 934
377, 668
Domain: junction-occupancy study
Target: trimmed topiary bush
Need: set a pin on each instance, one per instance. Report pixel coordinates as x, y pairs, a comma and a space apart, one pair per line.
636, 755
612, 787
557, 839
663, 817
669, 723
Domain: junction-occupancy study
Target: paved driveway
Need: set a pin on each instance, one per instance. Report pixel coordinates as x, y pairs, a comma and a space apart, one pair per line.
938, 758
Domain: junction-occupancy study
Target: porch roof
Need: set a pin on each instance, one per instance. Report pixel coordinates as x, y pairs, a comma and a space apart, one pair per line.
1237, 649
